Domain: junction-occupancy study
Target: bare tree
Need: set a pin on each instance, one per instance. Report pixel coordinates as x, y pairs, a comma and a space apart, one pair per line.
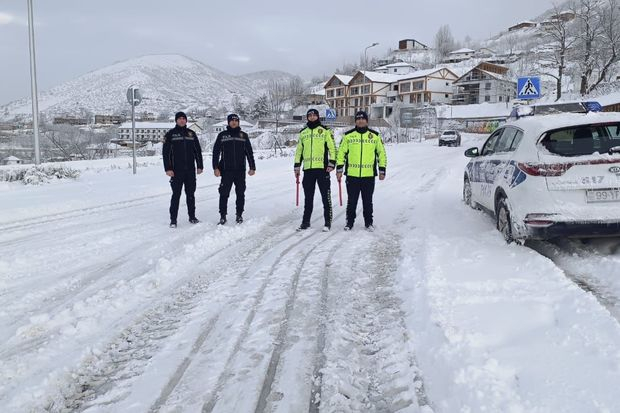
276, 94
444, 42
588, 18
67, 140
559, 37
239, 107
296, 90
607, 50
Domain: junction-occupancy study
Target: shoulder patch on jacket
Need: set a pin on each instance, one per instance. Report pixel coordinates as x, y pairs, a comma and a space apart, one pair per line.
349, 131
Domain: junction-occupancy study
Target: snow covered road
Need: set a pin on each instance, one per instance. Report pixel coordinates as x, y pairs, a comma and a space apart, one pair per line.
106, 309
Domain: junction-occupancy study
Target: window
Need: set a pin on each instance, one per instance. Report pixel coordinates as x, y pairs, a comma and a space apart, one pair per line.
487, 98
330, 93
366, 89
504, 144
487, 85
366, 100
395, 70
447, 96
355, 102
405, 87
582, 140
516, 141
418, 85
447, 83
339, 92
489, 145
501, 98
355, 91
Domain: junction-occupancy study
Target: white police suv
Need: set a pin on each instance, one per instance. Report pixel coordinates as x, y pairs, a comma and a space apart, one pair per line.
549, 176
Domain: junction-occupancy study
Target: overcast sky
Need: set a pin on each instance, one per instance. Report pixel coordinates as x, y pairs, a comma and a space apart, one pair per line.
306, 38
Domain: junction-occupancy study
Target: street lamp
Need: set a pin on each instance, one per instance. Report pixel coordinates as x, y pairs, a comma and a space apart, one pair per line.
366, 64
366, 49
33, 84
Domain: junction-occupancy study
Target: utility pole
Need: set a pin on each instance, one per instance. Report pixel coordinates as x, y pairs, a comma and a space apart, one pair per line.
33, 87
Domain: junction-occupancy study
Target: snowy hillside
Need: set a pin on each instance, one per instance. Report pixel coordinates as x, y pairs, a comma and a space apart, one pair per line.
168, 83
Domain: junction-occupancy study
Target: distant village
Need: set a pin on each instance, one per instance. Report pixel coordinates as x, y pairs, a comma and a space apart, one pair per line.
469, 89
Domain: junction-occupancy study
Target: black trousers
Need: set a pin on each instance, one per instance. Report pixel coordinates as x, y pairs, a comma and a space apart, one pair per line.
180, 179
228, 179
355, 186
312, 177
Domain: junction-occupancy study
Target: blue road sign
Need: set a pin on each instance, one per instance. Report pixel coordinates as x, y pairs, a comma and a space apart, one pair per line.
528, 87
330, 114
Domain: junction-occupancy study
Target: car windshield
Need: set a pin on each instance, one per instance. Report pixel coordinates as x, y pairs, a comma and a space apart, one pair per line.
583, 139
449, 132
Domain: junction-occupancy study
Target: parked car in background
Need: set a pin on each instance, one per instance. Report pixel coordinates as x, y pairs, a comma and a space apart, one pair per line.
450, 138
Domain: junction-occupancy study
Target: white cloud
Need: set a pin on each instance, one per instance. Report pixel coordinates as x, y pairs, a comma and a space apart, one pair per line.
6, 18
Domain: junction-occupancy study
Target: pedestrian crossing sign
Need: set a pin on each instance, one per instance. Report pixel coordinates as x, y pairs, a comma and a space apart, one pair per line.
528, 87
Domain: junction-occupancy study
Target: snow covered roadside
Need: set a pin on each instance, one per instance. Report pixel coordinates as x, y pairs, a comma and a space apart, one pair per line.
103, 184
499, 327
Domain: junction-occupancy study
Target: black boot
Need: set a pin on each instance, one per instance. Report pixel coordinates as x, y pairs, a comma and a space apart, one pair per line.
239, 219
222, 220
303, 226
194, 220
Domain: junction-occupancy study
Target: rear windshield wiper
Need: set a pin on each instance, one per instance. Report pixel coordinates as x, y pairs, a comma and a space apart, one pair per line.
614, 149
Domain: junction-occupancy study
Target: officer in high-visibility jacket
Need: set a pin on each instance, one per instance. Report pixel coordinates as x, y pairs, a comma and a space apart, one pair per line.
361, 151
317, 151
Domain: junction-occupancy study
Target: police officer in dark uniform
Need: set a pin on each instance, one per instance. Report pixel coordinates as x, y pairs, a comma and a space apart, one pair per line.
182, 160
231, 149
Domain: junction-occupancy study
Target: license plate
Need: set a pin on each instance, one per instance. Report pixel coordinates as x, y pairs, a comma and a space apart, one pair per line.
603, 195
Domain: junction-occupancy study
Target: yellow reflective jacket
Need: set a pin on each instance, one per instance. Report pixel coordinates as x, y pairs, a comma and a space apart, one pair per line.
315, 149
360, 153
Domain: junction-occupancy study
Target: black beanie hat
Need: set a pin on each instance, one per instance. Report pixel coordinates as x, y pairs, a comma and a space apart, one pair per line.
180, 115
232, 116
316, 112
361, 115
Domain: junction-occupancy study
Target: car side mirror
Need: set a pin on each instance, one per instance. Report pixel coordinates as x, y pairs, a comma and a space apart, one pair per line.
472, 153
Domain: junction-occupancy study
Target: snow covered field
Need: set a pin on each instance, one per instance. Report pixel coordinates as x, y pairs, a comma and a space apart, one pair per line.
106, 309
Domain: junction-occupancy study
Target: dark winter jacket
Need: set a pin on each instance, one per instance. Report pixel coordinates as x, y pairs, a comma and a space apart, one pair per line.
181, 150
230, 150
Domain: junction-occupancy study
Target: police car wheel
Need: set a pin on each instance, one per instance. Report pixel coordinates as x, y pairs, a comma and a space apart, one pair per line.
467, 194
503, 220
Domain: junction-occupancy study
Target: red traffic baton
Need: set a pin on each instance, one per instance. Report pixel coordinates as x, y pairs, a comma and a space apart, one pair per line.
297, 196
340, 190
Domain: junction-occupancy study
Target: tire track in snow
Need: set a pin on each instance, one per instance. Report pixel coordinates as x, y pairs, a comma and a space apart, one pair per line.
281, 338
368, 365
144, 338
181, 369
320, 357
212, 399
